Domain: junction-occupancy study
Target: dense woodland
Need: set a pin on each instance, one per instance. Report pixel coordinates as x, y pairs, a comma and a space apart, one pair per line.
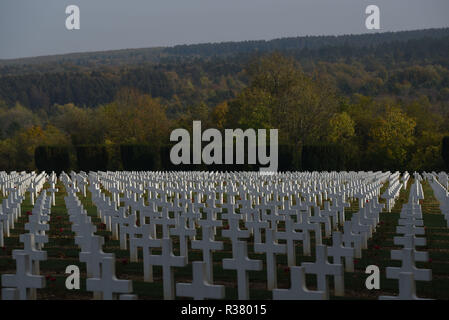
381, 99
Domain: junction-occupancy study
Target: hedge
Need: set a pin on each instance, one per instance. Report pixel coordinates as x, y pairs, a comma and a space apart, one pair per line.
52, 158
322, 158
92, 158
137, 157
445, 151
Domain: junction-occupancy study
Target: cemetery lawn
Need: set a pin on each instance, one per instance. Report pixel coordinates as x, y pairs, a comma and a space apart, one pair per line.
62, 252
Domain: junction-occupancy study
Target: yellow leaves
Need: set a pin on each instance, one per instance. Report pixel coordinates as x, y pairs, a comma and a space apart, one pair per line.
135, 118
341, 128
393, 133
219, 115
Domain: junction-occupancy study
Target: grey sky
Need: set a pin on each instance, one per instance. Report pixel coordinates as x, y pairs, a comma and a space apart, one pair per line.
37, 27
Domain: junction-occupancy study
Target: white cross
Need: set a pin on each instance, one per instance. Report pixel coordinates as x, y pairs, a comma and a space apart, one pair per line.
234, 233
290, 235
407, 289
408, 257
351, 239
207, 244
306, 227
200, 288
339, 251
23, 279
298, 290
322, 268
183, 233
409, 241
94, 256
270, 248
410, 229
147, 242
242, 264
53, 190
320, 219
30, 248
108, 284
168, 260
256, 224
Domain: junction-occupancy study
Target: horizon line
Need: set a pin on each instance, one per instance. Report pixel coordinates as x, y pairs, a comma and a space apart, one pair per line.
368, 33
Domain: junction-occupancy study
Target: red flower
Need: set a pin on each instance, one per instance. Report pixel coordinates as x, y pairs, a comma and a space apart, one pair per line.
124, 261
61, 230
356, 261
376, 247
47, 277
287, 269
53, 279
29, 213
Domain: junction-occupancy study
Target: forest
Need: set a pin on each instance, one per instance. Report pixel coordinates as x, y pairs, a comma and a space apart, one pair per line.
381, 100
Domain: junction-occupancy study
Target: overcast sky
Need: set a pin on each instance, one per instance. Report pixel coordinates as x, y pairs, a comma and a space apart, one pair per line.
37, 27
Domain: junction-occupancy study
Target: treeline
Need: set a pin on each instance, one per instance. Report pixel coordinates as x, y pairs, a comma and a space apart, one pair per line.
182, 53
385, 107
403, 64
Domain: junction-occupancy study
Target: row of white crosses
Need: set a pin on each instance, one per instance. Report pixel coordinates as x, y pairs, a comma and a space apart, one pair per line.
441, 193
100, 266
443, 179
253, 212
411, 226
393, 190
345, 247
127, 225
24, 283
14, 187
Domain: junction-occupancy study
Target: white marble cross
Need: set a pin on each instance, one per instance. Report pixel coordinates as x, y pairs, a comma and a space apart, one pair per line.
298, 289
290, 235
320, 219
408, 257
409, 241
207, 244
30, 248
351, 239
322, 268
147, 242
23, 280
410, 229
270, 248
255, 225
200, 288
338, 251
234, 233
306, 227
53, 191
242, 264
94, 256
184, 233
108, 284
168, 260
407, 288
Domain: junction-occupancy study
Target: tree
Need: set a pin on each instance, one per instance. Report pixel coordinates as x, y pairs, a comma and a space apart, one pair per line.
135, 118
391, 138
